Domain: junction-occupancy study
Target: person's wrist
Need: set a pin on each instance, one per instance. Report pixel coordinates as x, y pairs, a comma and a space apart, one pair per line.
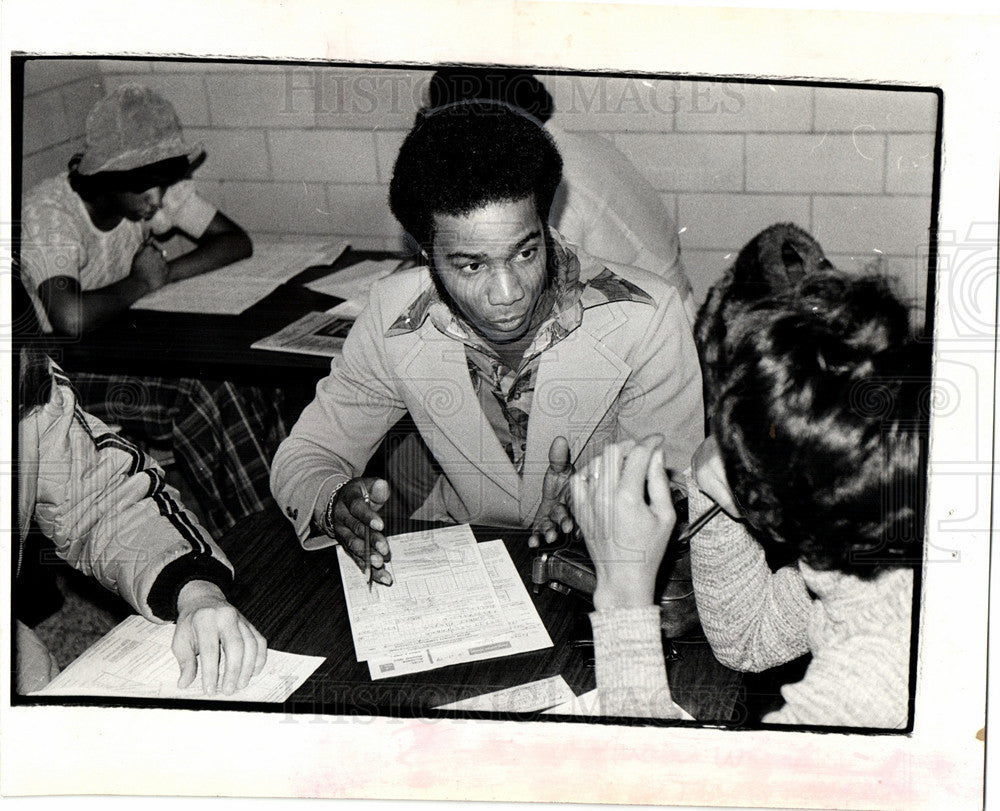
627, 592
331, 504
197, 593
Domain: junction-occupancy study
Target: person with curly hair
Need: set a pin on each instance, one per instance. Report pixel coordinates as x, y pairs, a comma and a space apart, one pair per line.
507, 342
816, 444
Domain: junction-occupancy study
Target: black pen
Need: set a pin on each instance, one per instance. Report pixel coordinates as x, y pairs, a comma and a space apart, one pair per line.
369, 570
699, 523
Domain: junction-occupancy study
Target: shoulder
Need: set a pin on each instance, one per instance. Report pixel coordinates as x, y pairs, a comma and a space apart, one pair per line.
52, 200
394, 294
624, 283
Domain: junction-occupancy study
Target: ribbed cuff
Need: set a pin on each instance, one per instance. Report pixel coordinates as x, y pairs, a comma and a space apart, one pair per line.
630, 666
163, 595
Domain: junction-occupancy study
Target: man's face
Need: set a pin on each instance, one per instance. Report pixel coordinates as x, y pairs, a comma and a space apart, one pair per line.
492, 262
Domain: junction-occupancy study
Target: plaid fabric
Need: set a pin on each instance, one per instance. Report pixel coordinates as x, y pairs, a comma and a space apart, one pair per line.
223, 436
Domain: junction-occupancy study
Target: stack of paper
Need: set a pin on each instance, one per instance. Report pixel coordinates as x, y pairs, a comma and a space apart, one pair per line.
134, 659
232, 289
452, 600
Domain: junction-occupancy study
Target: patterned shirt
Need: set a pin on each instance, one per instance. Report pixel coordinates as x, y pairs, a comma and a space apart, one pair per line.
505, 393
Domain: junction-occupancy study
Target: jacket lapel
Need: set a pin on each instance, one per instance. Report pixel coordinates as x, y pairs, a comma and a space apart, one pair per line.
578, 381
436, 375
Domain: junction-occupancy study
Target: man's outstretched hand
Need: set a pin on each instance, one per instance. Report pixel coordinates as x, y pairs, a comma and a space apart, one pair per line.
554, 516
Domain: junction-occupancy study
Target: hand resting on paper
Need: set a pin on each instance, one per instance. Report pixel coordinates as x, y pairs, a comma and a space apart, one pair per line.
208, 626
354, 515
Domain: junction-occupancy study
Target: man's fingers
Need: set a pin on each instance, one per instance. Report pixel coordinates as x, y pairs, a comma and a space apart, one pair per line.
208, 656
261, 659
559, 454
379, 492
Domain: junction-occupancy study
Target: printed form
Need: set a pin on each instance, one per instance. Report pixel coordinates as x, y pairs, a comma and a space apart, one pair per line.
134, 660
452, 600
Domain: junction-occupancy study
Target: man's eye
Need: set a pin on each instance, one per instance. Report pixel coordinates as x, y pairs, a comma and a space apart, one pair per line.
527, 254
472, 267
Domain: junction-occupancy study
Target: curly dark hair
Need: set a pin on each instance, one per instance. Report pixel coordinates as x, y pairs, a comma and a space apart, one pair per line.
466, 155
821, 423
517, 88
774, 260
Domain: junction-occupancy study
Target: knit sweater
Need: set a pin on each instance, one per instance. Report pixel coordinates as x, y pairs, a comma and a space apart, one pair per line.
858, 632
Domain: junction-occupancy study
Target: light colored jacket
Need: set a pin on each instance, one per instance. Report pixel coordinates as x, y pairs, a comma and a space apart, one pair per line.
629, 369
106, 505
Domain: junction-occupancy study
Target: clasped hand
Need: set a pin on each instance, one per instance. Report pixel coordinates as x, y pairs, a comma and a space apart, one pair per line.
354, 516
626, 534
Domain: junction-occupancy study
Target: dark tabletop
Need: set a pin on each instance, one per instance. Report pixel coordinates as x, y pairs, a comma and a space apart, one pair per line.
295, 598
216, 347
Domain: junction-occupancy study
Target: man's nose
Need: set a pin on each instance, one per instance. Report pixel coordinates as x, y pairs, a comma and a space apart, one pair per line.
154, 197
505, 288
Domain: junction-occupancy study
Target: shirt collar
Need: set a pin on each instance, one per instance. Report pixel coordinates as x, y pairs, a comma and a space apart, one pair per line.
571, 296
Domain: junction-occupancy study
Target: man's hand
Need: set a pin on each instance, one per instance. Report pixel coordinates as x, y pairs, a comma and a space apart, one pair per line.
36, 667
553, 513
354, 516
208, 626
149, 267
626, 537
710, 474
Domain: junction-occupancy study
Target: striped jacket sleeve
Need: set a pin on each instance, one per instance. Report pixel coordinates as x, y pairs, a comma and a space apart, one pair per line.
109, 511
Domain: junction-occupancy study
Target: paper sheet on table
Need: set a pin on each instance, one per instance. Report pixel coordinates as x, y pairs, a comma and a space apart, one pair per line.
441, 595
589, 704
530, 697
134, 660
524, 629
232, 289
354, 282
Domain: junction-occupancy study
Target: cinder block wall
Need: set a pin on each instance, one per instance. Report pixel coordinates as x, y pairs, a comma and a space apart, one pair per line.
309, 150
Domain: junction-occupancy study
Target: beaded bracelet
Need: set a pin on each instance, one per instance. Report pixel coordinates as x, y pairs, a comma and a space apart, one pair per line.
328, 514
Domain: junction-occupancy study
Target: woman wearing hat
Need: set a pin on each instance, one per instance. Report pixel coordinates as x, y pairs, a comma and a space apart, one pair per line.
88, 253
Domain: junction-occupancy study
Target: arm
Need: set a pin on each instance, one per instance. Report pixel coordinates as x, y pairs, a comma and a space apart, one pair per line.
753, 618
222, 243
110, 513
73, 311
626, 538
336, 435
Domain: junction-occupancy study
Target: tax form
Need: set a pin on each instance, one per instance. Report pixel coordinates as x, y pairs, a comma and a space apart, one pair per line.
452, 600
134, 659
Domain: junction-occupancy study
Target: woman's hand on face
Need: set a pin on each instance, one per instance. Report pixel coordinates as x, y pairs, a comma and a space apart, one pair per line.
625, 535
710, 474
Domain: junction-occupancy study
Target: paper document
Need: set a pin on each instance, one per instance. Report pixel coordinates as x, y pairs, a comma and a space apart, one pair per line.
353, 283
312, 334
524, 630
589, 704
232, 289
134, 660
452, 600
530, 697
441, 594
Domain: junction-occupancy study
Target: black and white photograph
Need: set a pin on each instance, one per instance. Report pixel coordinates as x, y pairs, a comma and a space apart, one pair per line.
381, 401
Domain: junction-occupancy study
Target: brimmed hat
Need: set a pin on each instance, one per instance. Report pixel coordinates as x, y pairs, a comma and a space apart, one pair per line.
130, 128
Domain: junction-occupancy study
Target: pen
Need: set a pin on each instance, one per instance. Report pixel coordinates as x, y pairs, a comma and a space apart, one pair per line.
368, 539
698, 524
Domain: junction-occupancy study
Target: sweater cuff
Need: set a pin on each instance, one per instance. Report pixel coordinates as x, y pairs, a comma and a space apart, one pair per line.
162, 599
630, 666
